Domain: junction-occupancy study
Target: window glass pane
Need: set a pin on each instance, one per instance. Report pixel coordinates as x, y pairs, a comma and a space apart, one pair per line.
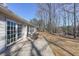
8, 36
8, 27
11, 24
8, 41
12, 40
8, 23
8, 32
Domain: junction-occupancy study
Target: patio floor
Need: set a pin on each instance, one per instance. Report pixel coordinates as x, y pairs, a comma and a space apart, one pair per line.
30, 47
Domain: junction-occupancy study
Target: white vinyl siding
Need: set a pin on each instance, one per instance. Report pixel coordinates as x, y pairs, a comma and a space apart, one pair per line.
2, 33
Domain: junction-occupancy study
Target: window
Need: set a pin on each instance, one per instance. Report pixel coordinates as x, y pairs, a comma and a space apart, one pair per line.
11, 32
19, 30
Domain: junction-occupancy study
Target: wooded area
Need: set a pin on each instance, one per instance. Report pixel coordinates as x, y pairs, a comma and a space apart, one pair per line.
56, 18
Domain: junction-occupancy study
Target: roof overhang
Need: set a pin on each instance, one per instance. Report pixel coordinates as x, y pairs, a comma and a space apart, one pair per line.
12, 15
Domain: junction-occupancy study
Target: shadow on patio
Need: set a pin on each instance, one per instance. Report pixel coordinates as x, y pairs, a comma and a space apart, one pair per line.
26, 48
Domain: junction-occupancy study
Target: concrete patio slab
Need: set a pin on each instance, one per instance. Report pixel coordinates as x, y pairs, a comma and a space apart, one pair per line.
30, 47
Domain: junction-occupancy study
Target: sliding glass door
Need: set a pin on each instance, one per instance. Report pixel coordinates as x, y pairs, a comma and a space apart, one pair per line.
14, 31
11, 32
19, 31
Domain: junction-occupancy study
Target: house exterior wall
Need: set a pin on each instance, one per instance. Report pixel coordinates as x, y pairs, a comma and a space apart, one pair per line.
2, 32
24, 31
7, 15
35, 30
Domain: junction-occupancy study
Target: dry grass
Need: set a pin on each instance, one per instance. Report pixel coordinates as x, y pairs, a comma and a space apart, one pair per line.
62, 46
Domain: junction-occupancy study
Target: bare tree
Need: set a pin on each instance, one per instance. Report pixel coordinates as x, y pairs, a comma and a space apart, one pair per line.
51, 17
74, 30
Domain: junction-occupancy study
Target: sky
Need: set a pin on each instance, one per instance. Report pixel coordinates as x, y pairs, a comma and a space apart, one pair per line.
24, 10
28, 11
